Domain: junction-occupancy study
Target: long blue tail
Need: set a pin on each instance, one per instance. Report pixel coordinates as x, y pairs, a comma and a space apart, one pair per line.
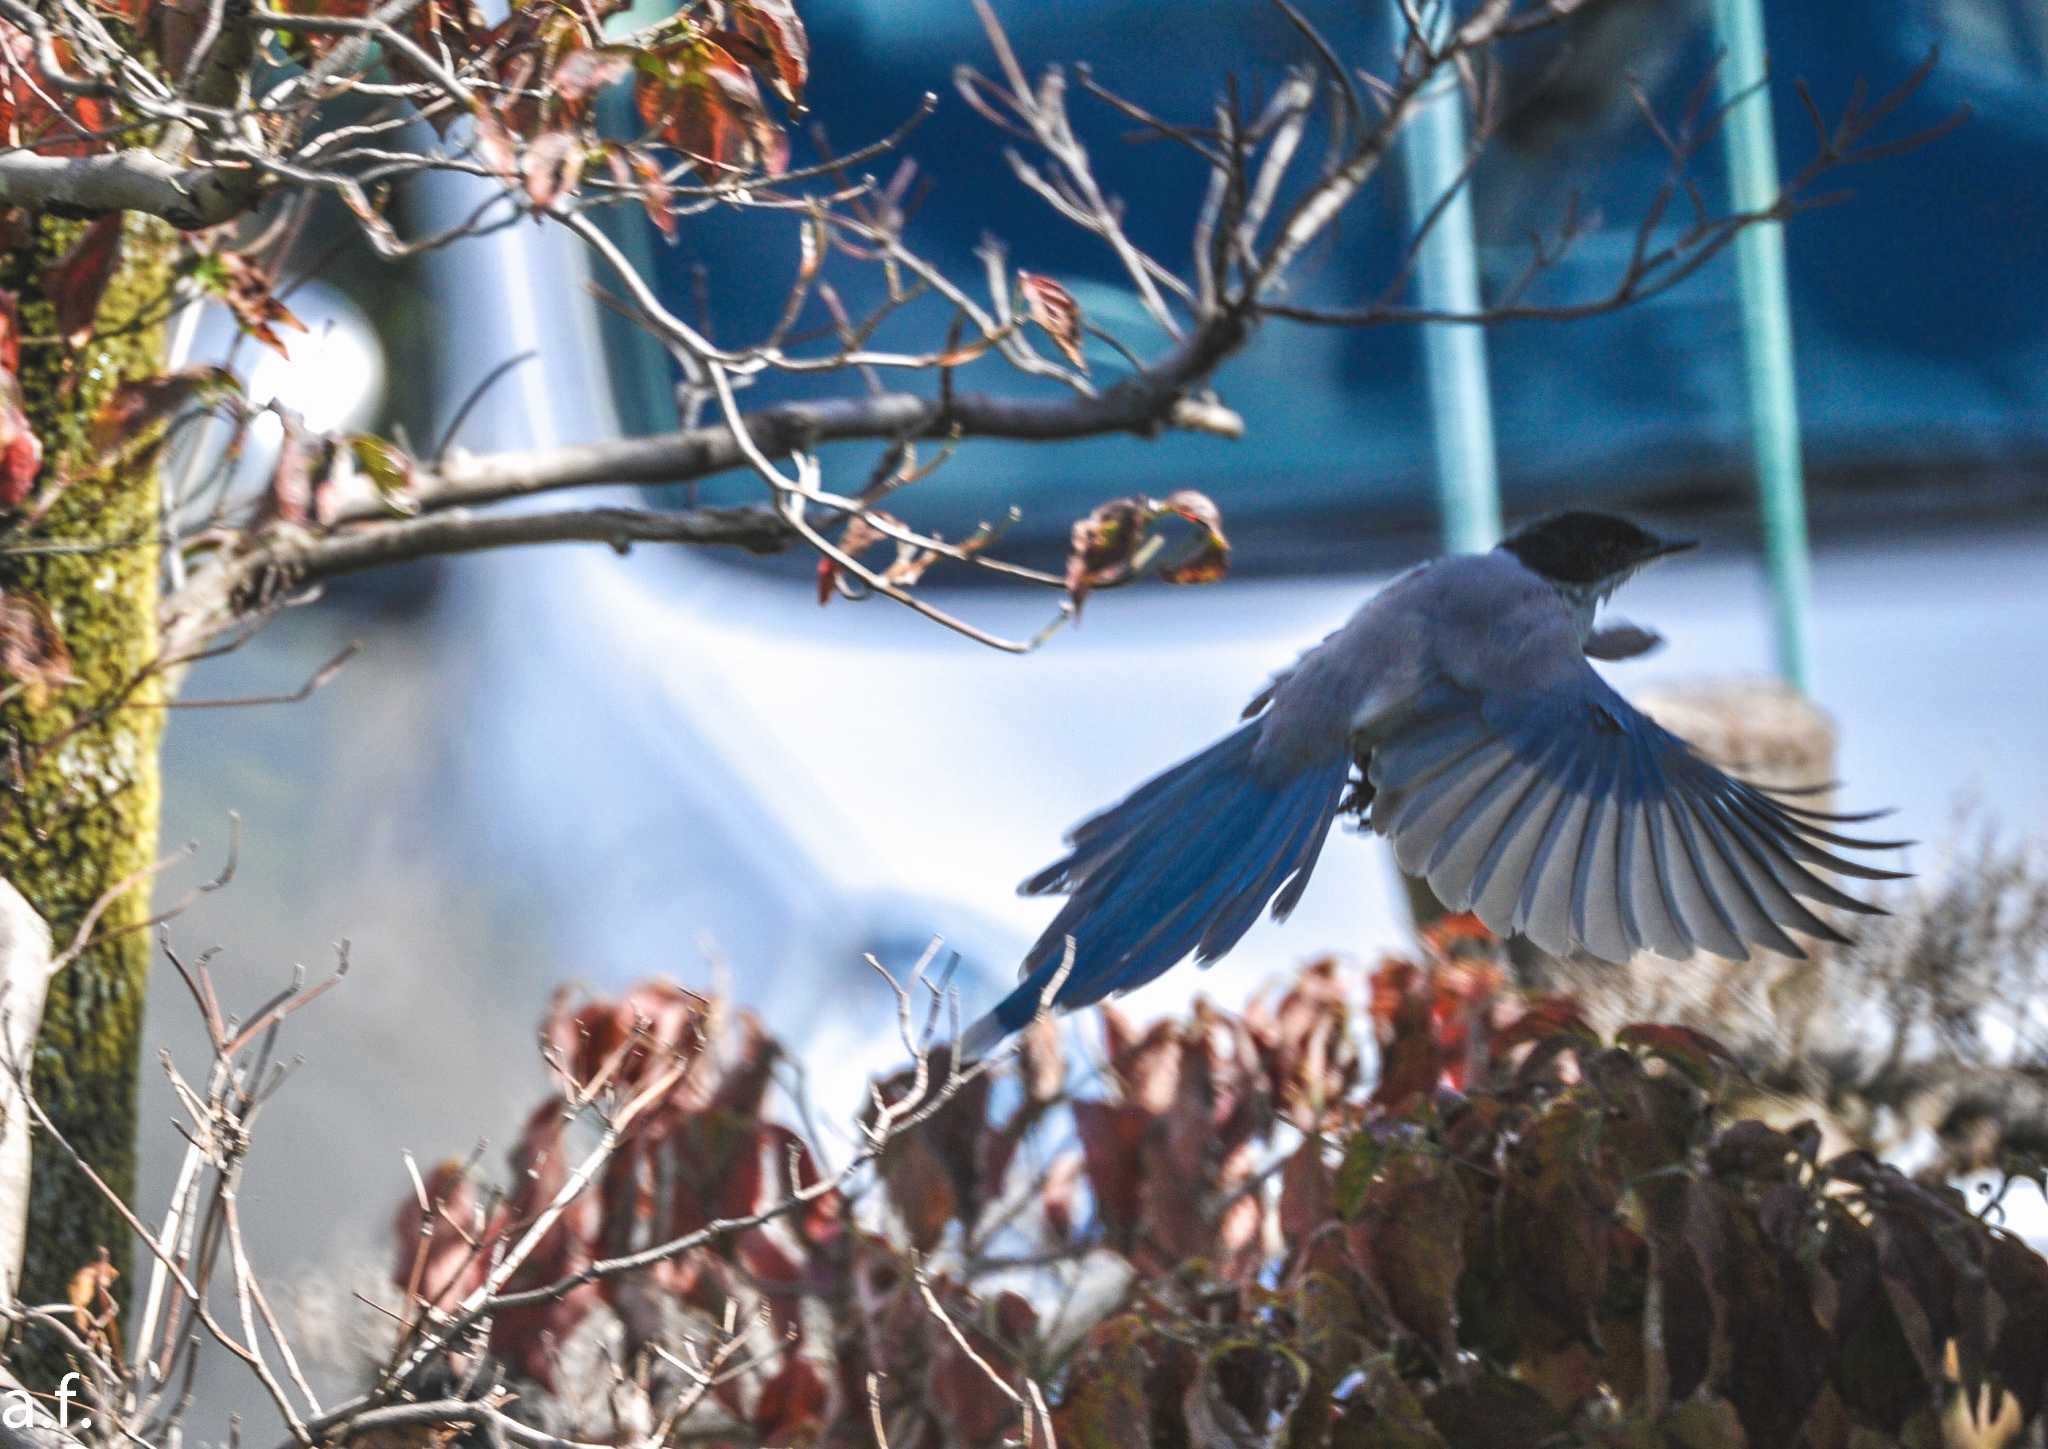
1184, 863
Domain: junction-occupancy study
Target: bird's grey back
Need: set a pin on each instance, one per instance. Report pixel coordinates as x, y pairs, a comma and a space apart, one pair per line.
1481, 621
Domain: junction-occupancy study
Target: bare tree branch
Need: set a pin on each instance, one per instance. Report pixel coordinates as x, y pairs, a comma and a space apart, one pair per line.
132, 180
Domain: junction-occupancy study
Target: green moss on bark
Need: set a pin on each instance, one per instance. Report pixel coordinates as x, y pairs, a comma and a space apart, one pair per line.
86, 817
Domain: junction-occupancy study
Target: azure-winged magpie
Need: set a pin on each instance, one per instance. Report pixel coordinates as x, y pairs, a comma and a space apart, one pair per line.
1502, 767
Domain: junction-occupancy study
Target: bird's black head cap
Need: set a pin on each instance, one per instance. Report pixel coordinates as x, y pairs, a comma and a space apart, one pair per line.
1582, 549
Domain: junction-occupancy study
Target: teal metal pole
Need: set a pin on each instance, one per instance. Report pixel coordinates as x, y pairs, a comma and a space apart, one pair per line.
1447, 280
1767, 332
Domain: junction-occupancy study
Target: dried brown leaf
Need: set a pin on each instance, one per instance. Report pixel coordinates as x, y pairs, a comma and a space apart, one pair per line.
245, 287
1053, 308
551, 166
136, 406
1117, 541
635, 171
32, 649
91, 1295
770, 37
78, 280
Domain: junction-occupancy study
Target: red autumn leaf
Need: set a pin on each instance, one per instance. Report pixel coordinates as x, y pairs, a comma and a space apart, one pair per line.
551, 167
1111, 1139
971, 1406
1392, 982
635, 171
457, 26
540, 1160
522, 48
78, 280
1684, 1046
918, 1190
1210, 560
702, 102
1410, 1236
10, 332
583, 73
27, 120
1114, 1384
629, 1040
1117, 541
1555, 1016
172, 29
137, 406
1451, 935
1052, 307
495, 149
855, 539
1411, 1063
32, 650
933, 1171
793, 1403
21, 451
1056, 1195
440, 1251
246, 289
1147, 1064
1102, 548
1307, 1192
1556, 1216
748, 1068
720, 1169
769, 36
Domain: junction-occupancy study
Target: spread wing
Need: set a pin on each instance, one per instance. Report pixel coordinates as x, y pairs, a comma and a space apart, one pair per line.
1564, 814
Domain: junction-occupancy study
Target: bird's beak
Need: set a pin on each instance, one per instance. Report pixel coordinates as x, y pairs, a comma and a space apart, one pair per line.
1668, 546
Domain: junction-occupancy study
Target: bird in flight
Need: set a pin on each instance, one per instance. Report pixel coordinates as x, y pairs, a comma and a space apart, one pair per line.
1503, 769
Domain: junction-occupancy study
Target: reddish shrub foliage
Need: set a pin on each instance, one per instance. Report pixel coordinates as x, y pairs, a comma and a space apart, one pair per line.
1510, 1233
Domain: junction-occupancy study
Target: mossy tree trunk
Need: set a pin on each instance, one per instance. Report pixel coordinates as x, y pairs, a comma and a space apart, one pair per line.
79, 794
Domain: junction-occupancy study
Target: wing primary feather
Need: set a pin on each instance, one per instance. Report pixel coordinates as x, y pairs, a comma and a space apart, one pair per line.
1724, 937
1545, 908
1658, 923
1294, 832
1857, 817
1485, 795
1515, 841
1660, 860
1761, 801
1600, 804
1542, 906
1780, 829
1298, 875
1419, 818
1725, 859
1407, 803
1662, 924
1099, 914
1452, 869
1624, 876
1767, 875
1793, 873
1409, 761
